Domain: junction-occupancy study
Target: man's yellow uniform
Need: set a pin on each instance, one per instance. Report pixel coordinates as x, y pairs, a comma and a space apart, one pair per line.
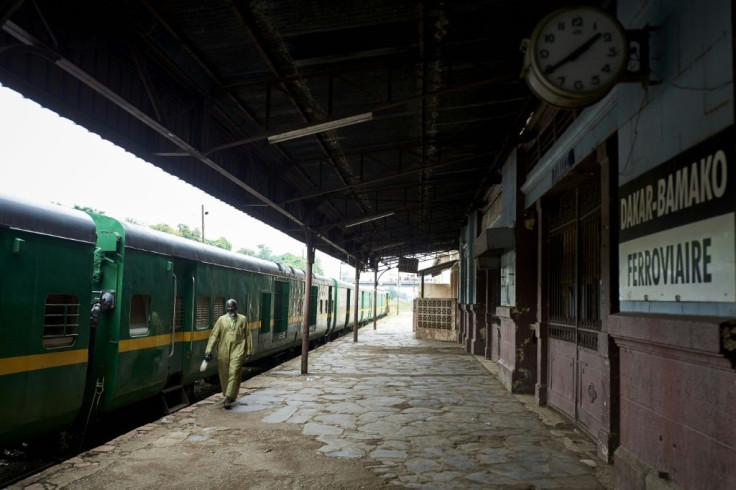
232, 340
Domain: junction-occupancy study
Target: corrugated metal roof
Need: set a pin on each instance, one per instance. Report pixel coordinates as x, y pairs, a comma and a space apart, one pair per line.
196, 87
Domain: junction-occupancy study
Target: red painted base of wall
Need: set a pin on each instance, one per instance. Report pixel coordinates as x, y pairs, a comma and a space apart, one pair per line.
678, 393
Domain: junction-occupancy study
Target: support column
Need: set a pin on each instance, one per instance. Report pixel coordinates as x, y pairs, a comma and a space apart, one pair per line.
461, 323
375, 296
540, 326
469, 325
480, 330
307, 303
609, 433
355, 301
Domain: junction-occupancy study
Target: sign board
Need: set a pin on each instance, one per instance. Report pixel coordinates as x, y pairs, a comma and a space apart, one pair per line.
408, 265
677, 227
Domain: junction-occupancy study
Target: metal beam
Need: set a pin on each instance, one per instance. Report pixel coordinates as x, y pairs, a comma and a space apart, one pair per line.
26, 38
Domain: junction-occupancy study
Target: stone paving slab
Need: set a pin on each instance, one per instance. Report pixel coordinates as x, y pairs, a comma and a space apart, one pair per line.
428, 413
389, 411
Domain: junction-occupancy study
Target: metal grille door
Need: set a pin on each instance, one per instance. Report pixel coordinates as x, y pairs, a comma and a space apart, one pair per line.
574, 291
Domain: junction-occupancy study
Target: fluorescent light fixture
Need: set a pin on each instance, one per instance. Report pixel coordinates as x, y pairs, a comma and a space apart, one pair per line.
369, 218
320, 127
390, 245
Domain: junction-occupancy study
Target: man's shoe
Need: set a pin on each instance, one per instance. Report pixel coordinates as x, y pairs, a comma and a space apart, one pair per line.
229, 402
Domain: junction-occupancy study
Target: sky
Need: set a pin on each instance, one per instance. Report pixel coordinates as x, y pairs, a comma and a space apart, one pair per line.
47, 158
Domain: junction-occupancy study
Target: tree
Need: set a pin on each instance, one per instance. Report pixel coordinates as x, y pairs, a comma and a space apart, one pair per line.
247, 251
317, 267
291, 260
265, 253
191, 234
221, 242
288, 259
165, 228
299, 262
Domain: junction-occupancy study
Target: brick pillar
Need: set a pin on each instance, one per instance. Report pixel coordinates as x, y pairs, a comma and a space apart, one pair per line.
540, 389
488, 348
461, 323
480, 330
469, 326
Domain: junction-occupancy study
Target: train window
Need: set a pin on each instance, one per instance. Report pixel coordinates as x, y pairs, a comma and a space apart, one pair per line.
179, 313
203, 308
321, 306
140, 307
218, 307
60, 320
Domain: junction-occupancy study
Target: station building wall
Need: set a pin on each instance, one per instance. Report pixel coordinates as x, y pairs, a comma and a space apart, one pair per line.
665, 352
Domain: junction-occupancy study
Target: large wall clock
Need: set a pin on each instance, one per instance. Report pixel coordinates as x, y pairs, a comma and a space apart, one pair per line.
575, 56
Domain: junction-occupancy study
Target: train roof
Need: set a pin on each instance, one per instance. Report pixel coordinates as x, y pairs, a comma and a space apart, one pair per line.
54, 220
47, 219
142, 238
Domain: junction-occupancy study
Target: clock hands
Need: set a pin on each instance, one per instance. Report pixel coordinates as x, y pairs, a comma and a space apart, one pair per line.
575, 54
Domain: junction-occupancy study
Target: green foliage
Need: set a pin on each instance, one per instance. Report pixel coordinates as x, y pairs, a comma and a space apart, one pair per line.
221, 242
165, 228
292, 261
182, 230
191, 234
317, 267
288, 259
265, 253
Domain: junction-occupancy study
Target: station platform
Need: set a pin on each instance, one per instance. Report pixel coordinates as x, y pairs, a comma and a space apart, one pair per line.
389, 411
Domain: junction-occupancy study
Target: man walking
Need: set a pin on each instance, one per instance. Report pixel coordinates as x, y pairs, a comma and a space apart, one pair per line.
232, 340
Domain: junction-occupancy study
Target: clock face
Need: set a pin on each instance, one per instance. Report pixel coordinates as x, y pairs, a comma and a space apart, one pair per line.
577, 54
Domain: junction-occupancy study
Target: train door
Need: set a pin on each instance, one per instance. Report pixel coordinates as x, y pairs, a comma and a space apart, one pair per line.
280, 309
361, 307
313, 300
183, 302
329, 307
146, 339
347, 307
264, 317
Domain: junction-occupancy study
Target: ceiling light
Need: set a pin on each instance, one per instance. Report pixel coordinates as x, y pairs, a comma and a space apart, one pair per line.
390, 245
318, 128
366, 219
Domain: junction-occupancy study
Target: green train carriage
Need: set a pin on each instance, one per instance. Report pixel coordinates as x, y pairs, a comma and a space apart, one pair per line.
45, 297
169, 292
98, 314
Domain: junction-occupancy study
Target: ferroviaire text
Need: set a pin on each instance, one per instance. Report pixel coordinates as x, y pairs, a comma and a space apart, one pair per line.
676, 263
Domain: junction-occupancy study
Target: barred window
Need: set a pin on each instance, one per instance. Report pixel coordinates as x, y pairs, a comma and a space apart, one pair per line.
218, 307
179, 313
60, 320
203, 307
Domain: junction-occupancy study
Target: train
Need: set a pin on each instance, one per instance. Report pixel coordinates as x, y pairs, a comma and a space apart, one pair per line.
97, 314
